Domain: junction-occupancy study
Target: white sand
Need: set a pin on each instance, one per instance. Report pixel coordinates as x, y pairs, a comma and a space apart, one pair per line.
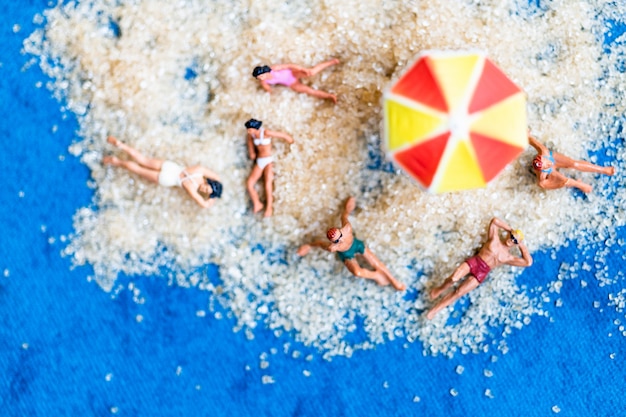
134, 88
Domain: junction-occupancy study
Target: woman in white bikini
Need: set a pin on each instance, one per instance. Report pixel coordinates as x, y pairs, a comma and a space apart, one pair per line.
201, 184
260, 150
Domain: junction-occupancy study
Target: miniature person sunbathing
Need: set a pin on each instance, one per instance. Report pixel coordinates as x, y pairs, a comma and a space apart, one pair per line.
493, 253
343, 242
200, 183
290, 75
547, 162
260, 150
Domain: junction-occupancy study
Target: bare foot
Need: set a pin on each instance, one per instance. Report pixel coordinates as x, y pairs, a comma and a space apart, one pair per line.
333, 98
113, 141
434, 293
268, 212
586, 188
400, 286
110, 160
431, 314
334, 61
257, 206
394, 282
610, 171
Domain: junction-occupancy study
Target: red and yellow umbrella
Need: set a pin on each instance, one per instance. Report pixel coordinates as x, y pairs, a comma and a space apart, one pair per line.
453, 121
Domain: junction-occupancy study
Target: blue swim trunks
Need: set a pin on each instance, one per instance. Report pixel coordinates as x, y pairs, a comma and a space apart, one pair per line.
357, 247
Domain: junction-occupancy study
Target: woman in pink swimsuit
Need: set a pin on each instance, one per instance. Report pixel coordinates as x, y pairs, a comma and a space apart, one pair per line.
289, 75
260, 151
202, 184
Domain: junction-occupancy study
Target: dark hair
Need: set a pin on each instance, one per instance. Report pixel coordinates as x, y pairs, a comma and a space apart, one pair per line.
216, 186
260, 70
253, 124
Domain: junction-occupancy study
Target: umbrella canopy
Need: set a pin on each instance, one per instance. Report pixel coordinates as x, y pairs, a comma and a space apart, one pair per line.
453, 121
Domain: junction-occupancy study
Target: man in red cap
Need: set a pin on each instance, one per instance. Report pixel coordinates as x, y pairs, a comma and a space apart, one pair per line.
343, 242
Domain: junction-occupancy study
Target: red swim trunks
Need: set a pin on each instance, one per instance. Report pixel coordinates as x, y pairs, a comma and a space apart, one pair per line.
478, 268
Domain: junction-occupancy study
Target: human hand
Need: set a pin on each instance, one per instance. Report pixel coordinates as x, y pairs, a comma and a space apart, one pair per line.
350, 204
303, 250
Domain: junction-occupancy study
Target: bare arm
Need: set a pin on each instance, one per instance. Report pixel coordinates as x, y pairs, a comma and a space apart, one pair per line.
207, 173
251, 150
349, 208
304, 249
279, 135
265, 86
199, 199
541, 149
525, 260
495, 224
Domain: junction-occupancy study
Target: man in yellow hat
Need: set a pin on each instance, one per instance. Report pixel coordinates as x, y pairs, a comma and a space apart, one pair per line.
496, 251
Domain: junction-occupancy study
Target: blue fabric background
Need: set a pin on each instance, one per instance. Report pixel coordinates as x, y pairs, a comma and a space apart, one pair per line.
76, 334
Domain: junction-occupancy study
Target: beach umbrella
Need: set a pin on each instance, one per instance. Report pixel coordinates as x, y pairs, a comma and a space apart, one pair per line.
454, 120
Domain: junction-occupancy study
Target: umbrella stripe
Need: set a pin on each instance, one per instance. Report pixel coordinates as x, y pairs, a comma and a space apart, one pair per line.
410, 125
419, 84
504, 121
421, 161
493, 155
493, 86
461, 171
457, 76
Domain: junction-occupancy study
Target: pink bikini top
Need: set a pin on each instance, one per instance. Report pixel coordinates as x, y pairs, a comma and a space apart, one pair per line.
283, 77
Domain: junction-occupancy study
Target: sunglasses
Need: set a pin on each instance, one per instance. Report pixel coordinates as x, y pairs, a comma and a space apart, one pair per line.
514, 239
339, 238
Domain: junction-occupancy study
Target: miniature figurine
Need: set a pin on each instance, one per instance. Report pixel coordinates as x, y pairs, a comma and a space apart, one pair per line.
169, 174
547, 162
290, 75
493, 253
260, 150
343, 242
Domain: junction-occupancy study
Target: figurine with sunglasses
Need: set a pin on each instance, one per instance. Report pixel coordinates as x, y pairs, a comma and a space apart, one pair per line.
347, 247
547, 163
496, 251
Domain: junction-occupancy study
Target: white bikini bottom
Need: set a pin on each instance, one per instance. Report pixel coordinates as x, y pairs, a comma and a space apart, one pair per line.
263, 162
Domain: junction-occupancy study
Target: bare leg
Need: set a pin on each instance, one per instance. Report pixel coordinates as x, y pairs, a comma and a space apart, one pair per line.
254, 177
151, 163
322, 66
301, 88
379, 266
458, 273
146, 173
466, 286
563, 161
268, 174
359, 272
586, 188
